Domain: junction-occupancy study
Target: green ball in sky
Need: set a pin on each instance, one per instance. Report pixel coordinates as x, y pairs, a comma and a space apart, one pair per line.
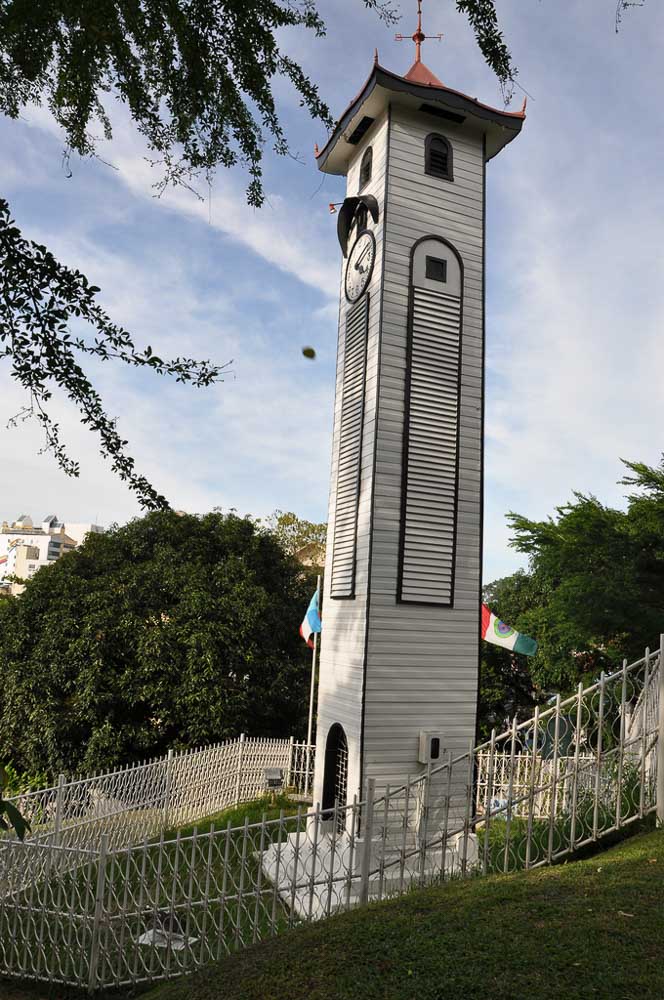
309, 352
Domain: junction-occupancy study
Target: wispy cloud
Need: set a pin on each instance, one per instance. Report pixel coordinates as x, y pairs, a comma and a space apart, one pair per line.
282, 232
575, 293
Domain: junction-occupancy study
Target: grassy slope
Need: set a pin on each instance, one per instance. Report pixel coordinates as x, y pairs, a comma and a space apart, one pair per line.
590, 929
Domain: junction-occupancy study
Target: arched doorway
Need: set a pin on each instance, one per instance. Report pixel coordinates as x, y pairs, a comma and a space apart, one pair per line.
335, 780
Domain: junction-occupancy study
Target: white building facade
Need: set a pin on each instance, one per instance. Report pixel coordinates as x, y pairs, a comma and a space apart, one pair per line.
25, 546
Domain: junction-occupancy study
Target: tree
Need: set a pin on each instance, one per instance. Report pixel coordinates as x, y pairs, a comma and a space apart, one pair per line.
300, 538
594, 592
622, 6
10, 816
506, 689
197, 77
171, 631
38, 299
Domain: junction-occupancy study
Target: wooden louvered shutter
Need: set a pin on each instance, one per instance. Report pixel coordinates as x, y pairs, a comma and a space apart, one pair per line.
431, 449
438, 157
350, 451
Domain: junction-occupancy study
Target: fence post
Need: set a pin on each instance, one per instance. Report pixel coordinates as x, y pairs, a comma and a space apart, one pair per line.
467, 819
660, 740
553, 794
238, 777
531, 787
367, 833
644, 734
93, 975
487, 802
167, 789
59, 808
289, 772
423, 828
577, 751
621, 749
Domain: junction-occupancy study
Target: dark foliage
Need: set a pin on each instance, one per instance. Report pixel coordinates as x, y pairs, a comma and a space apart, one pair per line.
172, 631
10, 817
38, 300
594, 592
484, 22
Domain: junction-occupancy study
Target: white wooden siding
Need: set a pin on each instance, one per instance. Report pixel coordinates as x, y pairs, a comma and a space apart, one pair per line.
422, 660
430, 479
349, 463
341, 673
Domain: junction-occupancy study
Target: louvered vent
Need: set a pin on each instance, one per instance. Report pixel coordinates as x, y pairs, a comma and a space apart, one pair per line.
350, 451
430, 461
438, 160
365, 167
438, 157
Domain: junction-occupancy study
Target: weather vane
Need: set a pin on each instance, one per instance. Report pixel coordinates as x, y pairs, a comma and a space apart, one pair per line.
419, 35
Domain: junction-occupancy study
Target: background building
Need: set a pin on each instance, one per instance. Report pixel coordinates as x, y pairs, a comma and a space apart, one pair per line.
25, 547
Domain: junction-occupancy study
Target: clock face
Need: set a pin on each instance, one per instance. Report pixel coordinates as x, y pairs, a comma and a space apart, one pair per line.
360, 265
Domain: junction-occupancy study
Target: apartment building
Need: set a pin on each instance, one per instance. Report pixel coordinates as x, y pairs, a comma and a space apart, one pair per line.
25, 546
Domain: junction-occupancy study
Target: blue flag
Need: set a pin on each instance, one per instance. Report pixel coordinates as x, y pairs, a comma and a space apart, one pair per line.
312, 622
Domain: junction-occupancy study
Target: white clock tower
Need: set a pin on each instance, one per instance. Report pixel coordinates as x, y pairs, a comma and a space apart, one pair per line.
400, 650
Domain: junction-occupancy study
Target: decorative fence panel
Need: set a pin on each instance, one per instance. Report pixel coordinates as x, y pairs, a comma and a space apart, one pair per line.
140, 800
514, 776
111, 915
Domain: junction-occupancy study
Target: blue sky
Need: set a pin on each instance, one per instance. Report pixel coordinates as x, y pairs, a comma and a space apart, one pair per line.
575, 271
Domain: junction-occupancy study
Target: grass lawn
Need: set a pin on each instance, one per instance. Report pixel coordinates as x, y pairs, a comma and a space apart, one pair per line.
587, 929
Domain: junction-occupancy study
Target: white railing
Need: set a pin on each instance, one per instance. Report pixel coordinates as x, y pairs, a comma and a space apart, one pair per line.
119, 915
516, 774
143, 799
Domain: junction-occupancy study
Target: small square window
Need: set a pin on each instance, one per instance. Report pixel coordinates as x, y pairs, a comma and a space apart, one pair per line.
436, 269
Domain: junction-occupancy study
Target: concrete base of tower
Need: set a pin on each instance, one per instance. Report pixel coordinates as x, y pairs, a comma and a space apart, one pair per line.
315, 879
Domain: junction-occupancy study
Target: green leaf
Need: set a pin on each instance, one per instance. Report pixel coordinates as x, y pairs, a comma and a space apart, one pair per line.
21, 826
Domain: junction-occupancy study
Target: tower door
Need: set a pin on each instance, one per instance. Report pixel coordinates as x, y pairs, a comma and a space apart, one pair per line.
335, 780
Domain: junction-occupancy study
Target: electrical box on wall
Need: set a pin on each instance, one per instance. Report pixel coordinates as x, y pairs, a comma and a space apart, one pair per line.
431, 748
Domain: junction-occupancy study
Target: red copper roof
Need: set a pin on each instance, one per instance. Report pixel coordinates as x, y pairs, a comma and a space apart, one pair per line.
419, 77
419, 73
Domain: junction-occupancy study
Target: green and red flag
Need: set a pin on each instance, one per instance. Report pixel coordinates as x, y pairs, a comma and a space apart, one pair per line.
493, 630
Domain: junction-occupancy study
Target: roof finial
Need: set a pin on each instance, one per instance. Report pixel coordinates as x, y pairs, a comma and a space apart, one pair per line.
375, 57
419, 35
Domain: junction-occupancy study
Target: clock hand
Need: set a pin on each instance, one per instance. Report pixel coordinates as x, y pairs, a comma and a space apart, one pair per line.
361, 257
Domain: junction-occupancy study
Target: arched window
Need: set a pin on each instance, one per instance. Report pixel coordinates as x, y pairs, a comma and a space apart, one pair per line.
365, 167
335, 778
438, 157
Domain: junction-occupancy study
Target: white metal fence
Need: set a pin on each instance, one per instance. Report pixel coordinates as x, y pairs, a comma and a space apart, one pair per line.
143, 799
99, 914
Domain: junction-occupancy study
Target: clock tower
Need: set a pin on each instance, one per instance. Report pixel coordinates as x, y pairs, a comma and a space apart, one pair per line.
399, 657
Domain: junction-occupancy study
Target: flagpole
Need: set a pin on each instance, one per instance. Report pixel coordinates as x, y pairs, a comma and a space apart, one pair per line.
312, 691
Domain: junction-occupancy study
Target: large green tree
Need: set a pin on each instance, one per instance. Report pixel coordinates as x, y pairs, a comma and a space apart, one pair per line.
171, 631
197, 77
594, 590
